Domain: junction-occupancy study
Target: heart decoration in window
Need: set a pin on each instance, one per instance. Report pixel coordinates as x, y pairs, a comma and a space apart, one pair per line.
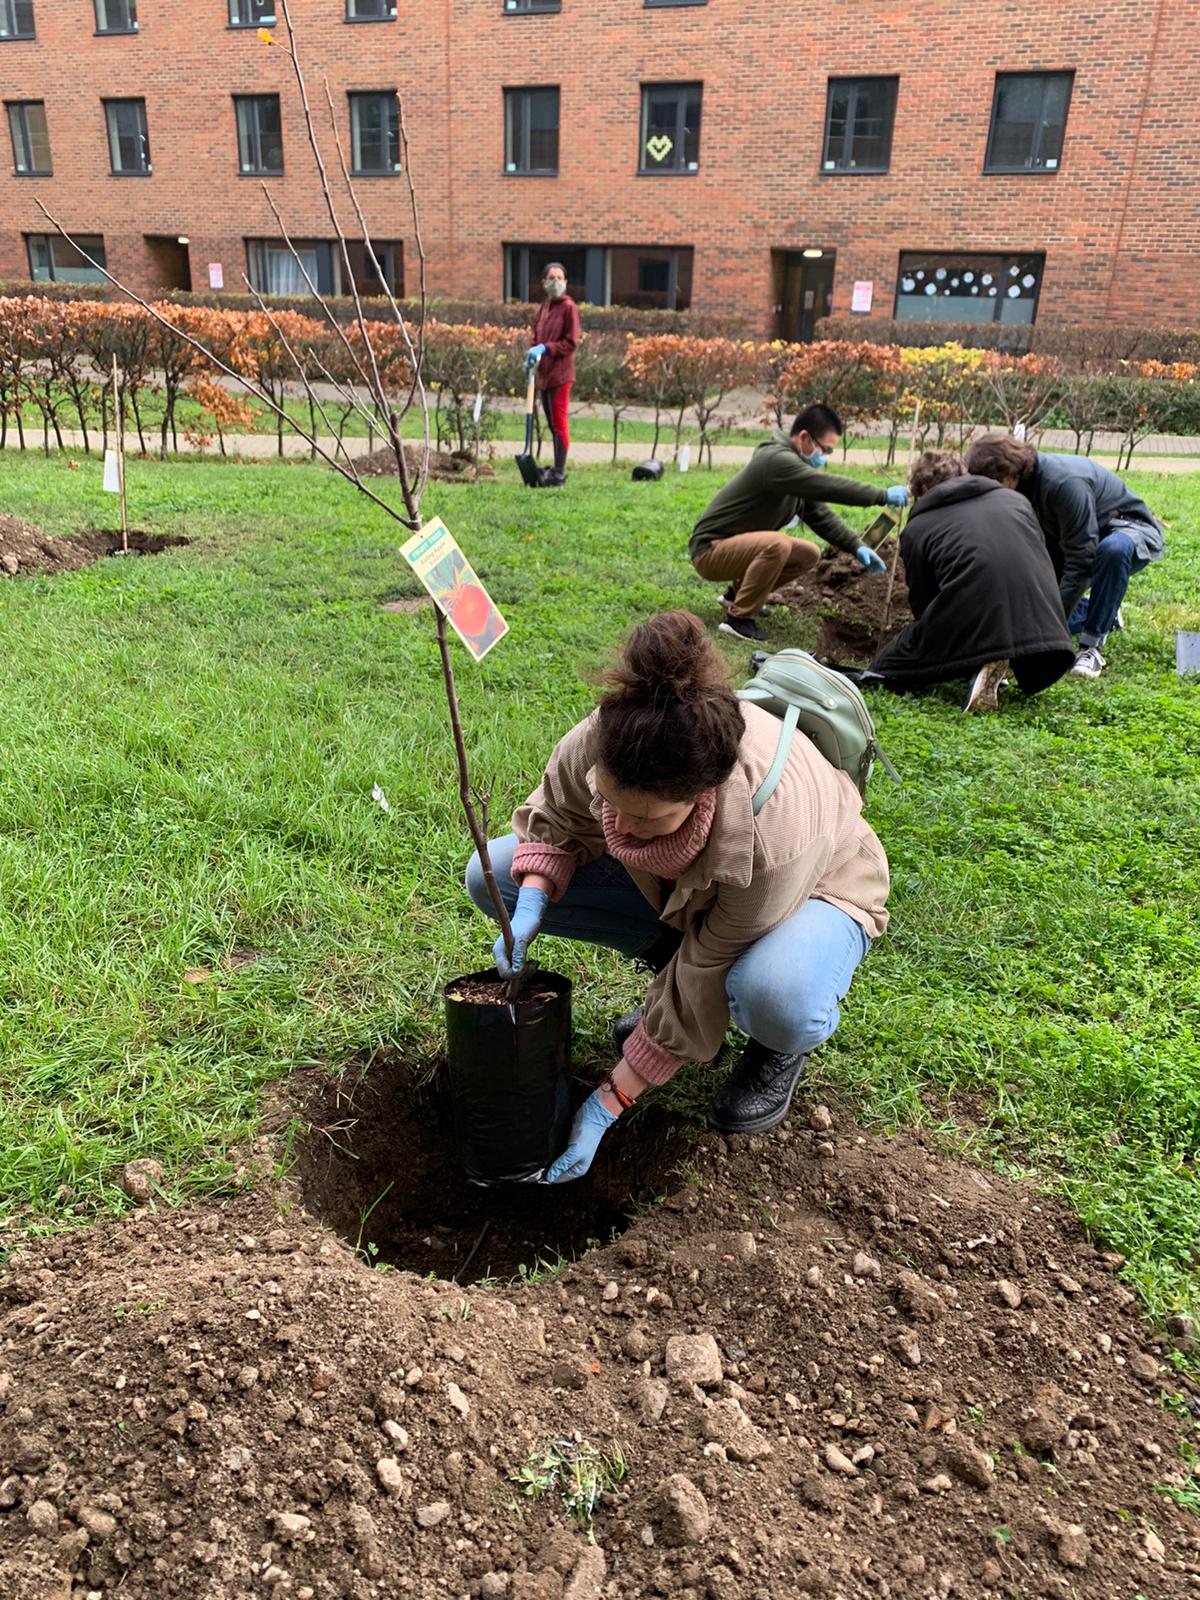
659, 146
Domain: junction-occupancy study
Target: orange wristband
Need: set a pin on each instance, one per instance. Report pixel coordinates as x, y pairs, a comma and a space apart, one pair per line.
619, 1095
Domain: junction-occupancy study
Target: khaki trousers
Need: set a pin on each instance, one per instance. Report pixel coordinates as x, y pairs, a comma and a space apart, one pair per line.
757, 563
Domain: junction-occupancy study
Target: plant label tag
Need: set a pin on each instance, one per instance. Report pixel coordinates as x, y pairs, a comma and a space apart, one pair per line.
457, 592
685, 458
112, 473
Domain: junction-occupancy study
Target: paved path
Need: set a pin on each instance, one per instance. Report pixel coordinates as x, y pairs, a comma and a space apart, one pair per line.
262, 445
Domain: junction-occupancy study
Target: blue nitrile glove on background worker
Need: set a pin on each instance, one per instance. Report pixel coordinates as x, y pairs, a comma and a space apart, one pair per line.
533, 355
872, 562
897, 495
526, 920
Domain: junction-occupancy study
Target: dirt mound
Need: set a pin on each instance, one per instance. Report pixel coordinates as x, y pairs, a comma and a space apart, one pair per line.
832, 1364
25, 548
850, 606
458, 464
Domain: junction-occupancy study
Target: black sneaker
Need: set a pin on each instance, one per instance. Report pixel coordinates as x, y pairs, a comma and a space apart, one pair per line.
741, 628
758, 1092
729, 598
623, 1028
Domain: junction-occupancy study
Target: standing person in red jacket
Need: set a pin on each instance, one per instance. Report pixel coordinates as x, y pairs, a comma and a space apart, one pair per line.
555, 333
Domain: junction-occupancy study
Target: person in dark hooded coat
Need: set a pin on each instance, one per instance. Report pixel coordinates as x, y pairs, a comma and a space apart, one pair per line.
982, 589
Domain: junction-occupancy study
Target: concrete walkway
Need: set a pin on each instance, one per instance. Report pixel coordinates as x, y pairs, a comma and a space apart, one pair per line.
259, 446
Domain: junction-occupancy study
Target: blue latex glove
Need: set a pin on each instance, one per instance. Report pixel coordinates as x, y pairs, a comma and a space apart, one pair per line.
592, 1122
897, 495
533, 355
869, 559
526, 920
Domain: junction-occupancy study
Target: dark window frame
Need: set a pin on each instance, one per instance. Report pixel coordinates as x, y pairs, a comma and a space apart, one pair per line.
681, 91
392, 167
330, 269
523, 168
389, 14
51, 239
1031, 169
656, 5
251, 22
1005, 258
259, 171
14, 9
129, 27
531, 8
857, 80
146, 170
520, 259
31, 171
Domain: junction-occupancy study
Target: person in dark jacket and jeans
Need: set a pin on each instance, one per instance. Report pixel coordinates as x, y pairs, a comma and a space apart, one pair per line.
1098, 532
555, 337
738, 538
981, 586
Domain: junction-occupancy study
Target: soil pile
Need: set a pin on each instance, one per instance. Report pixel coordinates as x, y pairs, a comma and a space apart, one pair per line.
833, 1363
850, 606
442, 467
25, 548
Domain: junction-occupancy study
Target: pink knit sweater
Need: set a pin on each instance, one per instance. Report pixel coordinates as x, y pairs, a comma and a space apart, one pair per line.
666, 858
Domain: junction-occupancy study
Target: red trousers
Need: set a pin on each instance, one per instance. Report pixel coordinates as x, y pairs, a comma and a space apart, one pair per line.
554, 404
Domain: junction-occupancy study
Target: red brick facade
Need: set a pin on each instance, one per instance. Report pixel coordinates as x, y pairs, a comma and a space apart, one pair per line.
1118, 221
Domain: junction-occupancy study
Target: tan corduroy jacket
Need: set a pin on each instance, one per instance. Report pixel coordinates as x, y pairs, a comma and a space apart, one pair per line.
808, 841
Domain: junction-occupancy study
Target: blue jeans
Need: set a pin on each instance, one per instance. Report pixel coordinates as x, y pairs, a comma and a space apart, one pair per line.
783, 991
1115, 562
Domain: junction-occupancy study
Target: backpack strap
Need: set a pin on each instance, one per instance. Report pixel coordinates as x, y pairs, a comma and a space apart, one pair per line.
782, 750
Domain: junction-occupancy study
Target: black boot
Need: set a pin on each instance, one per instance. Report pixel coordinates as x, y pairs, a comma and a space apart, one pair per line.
623, 1028
557, 474
758, 1092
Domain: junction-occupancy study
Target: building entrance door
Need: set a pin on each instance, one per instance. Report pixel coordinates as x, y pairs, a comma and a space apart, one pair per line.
803, 290
171, 261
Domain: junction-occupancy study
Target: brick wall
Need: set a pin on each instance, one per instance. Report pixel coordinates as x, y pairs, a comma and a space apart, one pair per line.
1119, 221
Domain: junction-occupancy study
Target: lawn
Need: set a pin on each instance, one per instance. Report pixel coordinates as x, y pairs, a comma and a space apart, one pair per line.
198, 892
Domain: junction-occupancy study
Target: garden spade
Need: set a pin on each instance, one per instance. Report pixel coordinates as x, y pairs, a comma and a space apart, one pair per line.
525, 461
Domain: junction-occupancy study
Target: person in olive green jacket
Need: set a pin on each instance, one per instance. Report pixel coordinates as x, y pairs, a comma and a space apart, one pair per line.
738, 541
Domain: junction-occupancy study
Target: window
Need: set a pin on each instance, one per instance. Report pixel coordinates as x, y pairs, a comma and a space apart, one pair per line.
128, 142
968, 288
30, 139
375, 132
116, 16
370, 11
272, 268
53, 260
531, 130
532, 5
1029, 119
675, 2
859, 113
250, 13
670, 127
604, 275
259, 133
651, 279
16, 19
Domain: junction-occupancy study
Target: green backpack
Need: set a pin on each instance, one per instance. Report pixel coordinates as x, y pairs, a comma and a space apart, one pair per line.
794, 686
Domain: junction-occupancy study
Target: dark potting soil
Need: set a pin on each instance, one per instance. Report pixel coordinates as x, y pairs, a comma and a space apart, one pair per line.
850, 605
26, 549
480, 992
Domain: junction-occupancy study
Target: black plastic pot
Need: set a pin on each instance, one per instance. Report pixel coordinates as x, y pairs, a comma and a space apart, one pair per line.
508, 1067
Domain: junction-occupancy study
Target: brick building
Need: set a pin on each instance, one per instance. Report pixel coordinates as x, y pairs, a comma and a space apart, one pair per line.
1000, 161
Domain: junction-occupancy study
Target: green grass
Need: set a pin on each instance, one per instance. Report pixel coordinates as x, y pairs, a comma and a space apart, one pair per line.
187, 753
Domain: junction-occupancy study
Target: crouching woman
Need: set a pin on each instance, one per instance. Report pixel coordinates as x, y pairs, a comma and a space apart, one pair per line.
641, 836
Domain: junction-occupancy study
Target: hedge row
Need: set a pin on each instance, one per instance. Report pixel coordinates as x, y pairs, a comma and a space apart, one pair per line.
1100, 345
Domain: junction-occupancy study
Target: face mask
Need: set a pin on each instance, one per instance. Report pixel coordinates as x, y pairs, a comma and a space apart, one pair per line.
553, 288
817, 460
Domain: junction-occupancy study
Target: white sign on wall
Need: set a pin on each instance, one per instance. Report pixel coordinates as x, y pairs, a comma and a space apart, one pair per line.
216, 275
863, 294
